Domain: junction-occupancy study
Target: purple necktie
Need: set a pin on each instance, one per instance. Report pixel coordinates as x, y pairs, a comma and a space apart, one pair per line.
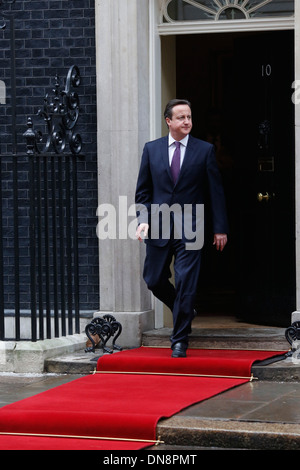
175, 165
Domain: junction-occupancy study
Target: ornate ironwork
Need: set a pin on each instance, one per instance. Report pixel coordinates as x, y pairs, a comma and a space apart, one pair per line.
60, 113
292, 333
217, 9
53, 208
3, 6
105, 328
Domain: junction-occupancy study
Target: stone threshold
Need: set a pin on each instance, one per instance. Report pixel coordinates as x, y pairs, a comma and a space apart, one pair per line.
30, 357
233, 338
230, 434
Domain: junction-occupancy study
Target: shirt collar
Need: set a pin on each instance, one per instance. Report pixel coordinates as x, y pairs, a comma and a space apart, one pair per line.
184, 141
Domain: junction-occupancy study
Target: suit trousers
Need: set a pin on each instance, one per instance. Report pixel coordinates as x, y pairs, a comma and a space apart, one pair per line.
180, 298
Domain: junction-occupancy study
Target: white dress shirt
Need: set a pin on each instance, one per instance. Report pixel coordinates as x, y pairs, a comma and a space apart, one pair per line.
172, 147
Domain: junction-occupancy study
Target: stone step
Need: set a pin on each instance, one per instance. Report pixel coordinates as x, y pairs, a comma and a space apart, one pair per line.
192, 433
231, 338
81, 363
195, 431
75, 363
270, 339
258, 415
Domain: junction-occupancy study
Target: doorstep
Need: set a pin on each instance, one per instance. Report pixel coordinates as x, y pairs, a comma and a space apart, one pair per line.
240, 338
224, 338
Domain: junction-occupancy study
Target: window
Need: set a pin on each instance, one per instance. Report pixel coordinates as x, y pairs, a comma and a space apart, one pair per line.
199, 10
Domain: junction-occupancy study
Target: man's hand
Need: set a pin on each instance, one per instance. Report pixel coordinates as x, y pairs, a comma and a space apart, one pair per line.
142, 228
220, 240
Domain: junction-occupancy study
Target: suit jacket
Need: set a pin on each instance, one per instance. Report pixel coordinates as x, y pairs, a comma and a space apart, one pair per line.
199, 176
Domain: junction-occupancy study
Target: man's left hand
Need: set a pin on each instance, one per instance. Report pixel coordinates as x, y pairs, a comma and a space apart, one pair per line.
220, 240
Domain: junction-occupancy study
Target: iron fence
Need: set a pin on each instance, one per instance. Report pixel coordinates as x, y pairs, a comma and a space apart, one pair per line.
39, 274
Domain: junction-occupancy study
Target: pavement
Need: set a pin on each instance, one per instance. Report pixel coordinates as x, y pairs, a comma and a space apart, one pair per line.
260, 415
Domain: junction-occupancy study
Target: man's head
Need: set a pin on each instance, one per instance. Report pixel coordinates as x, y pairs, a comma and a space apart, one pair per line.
178, 116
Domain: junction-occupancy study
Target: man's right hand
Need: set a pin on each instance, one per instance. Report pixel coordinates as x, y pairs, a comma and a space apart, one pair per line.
142, 228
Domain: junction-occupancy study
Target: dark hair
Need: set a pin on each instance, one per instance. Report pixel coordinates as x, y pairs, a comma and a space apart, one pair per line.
169, 108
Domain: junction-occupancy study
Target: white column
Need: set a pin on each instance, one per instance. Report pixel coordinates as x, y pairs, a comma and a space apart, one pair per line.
122, 39
296, 315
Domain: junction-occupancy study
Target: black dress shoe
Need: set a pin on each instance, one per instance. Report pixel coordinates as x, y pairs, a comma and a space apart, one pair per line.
179, 350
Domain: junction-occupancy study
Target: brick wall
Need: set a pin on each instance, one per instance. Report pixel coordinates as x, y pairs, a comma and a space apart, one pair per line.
50, 36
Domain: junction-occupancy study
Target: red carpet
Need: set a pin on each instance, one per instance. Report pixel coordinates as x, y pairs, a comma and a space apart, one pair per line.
110, 410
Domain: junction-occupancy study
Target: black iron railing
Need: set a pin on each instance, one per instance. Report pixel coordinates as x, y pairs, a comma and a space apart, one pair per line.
43, 268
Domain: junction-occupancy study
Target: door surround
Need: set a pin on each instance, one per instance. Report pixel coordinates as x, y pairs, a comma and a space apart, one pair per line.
159, 30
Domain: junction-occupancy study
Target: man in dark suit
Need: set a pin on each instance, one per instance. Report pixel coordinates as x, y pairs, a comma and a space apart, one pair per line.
175, 172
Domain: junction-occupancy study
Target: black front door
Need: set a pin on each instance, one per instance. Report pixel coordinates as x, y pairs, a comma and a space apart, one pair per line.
240, 86
264, 177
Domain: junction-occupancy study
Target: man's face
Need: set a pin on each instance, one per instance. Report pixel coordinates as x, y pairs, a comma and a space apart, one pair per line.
181, 123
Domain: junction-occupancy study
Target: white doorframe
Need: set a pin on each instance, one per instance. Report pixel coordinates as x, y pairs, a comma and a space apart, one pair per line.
226, 26
159, 29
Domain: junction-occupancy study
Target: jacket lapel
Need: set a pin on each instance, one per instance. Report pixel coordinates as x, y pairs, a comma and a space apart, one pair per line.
165, 155
187, 158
